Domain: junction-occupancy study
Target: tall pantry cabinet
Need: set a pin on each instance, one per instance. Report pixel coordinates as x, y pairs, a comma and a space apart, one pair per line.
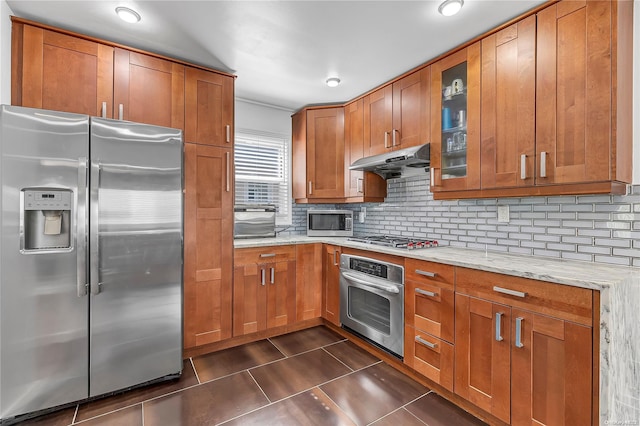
56, 69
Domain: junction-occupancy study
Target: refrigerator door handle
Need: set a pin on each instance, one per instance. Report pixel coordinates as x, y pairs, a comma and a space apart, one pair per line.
94, 250
81, 227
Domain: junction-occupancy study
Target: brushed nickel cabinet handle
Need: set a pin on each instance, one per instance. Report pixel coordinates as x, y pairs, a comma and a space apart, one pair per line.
509, 292
228, 155
426, 293
519, 332
523, 166
228, 129
499, 327
120, 112
393, 137
267, 255
426, 273
360, 185
335, 257
386, 139
273, 275
310, 188
262, 276
104, 110
543, 164
425, 343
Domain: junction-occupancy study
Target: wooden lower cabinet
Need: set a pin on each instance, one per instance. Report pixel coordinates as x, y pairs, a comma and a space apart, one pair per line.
208, 246
308, 281
429, 356
523, 367
331, 284
264, 289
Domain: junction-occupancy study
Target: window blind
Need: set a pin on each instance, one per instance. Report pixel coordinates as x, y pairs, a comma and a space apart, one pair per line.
262, 171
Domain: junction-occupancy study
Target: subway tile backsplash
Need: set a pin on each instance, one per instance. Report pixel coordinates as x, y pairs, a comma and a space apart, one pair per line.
591, 228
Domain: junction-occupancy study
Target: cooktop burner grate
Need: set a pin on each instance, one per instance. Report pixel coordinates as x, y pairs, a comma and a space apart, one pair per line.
394, 241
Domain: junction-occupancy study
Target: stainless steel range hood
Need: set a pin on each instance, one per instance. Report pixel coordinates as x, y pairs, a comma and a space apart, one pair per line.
408, 161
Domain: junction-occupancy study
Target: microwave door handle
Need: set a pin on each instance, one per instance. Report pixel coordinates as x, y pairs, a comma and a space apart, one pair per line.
388, 288
348, 224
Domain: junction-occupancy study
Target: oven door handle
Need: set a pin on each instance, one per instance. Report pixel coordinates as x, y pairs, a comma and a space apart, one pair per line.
388, 288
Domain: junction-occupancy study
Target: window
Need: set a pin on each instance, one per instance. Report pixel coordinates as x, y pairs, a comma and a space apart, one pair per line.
262, 171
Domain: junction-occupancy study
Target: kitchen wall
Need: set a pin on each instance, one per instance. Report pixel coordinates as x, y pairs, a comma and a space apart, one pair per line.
5, 53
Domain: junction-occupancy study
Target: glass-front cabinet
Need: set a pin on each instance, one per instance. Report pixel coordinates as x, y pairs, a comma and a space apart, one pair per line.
455, 121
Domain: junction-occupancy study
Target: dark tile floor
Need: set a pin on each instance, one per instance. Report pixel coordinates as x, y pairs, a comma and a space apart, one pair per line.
310, 377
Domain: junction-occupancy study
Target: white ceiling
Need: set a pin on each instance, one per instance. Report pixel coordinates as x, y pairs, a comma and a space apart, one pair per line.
283, 51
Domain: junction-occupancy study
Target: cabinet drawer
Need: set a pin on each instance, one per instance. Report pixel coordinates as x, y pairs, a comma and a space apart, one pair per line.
264, 254
429, 272
429, 308
429, 356
557, 300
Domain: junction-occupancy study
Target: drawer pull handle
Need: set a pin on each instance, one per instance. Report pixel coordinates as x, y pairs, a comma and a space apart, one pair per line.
426, 273
509, 292
268, 255
426, 293
425, 343
499, 326
519, 332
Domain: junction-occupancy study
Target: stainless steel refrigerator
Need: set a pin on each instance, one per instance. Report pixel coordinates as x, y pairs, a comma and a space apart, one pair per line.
91, 257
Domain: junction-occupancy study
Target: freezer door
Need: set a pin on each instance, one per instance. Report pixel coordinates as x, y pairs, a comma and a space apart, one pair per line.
43, 304
135, 254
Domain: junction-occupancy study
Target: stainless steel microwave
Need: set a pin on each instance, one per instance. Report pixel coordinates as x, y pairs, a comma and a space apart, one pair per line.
329, 223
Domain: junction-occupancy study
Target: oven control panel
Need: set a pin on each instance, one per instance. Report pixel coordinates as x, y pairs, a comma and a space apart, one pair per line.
372, 267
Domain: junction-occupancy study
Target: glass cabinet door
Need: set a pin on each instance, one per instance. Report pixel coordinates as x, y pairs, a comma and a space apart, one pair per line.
454, 124
455, 121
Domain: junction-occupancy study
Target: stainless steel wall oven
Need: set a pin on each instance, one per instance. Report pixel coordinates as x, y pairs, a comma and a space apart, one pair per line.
372, 301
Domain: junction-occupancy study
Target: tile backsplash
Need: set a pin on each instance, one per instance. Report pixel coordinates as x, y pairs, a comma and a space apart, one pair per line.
592, 228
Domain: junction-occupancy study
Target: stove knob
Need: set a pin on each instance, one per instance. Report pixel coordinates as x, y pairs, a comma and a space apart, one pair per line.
410, 246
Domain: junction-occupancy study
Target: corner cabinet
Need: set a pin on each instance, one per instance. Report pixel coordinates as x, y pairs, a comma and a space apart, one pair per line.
524, 348
455, 121
318, 171
208, 244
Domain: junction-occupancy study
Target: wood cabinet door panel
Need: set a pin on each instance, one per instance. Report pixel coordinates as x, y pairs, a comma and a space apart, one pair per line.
281, 293
408, 114
208, 247
150, 90
508, 106
208, 108
429, 308
64, 73
574, 90
354, 146
325, 153
378, 120
308, 281
331, 285
551, 370
482, 360
249, 298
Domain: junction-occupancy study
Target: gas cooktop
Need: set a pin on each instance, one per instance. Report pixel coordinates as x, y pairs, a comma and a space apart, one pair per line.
394, 241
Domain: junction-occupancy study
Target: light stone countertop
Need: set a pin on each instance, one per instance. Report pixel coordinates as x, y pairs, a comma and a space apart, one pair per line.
593, 276
619, 288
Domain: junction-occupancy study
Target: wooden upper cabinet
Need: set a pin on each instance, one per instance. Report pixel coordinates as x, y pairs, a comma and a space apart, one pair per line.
208, 108
208, 244
318, 155
396, 116
378, 119
148, 89
508, 106
583, 88
60, 72
360, 186
455, 121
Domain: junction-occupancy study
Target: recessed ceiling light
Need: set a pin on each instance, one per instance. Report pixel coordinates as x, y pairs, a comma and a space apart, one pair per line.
450, 7
128, 15
333, 81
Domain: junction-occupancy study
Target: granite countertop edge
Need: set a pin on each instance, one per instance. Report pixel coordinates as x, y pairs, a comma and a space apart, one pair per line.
595, 276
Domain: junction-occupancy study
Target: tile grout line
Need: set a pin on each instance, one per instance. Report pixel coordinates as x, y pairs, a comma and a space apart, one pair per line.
276, 346
194, 370
337, 406
336, 358
404, 407
75, 414
142, 412
258, 385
